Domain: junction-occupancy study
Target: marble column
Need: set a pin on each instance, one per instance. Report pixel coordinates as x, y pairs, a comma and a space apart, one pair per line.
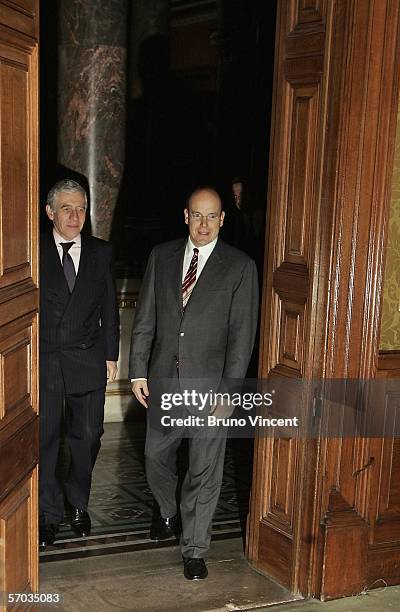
92, 100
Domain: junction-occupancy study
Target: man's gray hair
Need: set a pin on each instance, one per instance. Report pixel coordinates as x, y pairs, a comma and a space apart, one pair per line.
66, 185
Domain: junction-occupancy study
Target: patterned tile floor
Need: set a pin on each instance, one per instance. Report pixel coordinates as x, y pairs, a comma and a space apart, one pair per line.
121, 502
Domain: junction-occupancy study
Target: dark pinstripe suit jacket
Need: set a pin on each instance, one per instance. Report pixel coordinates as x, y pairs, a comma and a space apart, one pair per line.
213, 338
78, 332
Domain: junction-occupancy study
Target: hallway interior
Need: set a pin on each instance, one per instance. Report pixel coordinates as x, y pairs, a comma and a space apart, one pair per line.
126, 571
121, 503
124, 568
152, 581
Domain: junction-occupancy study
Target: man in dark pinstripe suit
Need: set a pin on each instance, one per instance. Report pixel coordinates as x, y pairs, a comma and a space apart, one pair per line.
79, 334
194, 330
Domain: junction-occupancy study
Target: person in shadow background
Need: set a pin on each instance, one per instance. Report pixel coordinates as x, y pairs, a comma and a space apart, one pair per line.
79, 340
245, 222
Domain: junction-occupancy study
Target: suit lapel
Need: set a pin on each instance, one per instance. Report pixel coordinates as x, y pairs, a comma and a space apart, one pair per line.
210, 274
176, 263
85, 264
52, 266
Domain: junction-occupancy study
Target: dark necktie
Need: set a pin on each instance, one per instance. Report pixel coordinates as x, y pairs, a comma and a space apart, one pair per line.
68, 265
190, 278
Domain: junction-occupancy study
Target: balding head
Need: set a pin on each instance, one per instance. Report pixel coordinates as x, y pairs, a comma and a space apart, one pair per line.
203, 191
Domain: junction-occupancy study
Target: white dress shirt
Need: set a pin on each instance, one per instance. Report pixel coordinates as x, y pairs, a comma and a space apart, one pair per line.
74, 251
204, 253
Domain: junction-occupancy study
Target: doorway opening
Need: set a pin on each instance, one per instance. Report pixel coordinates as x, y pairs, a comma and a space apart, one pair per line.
198, 101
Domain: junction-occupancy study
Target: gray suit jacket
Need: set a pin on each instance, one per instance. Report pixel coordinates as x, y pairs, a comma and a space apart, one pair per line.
213, 338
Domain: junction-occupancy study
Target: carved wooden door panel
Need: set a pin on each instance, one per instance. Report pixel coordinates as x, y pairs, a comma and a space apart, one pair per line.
19, 21
333, 125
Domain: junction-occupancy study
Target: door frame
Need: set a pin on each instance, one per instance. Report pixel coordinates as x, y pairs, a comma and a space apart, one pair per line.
342, 58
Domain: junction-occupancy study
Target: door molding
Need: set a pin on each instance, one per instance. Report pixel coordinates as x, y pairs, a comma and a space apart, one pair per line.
19, 297
333, 133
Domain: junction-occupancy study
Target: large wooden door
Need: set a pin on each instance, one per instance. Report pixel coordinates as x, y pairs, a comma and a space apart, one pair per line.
321, 521
19, 27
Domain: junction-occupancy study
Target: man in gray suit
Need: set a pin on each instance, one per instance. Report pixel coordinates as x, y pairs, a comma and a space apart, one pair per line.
194, 326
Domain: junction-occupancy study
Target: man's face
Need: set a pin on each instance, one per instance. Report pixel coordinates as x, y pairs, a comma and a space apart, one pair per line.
68, 213
204, 217
237, 189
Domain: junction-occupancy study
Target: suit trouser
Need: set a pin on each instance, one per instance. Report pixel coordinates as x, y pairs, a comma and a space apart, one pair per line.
201, 486
83, 417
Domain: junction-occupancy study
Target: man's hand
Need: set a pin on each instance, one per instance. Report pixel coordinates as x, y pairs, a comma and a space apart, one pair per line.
112, 370
222, 411
141, 391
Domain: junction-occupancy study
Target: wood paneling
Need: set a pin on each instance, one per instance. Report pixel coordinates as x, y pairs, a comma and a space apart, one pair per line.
291, 341
18, 452
15, 203
14, 147
383, 510
18, 534
17, 343
307, 12
20, 15
302, 157
281, 484
322, 504
282, 545
295, 197
18, 294
344, 529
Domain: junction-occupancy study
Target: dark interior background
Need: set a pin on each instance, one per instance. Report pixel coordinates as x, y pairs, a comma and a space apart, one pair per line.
202, 117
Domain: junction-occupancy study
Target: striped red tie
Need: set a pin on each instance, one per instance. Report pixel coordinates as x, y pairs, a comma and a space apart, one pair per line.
190, 278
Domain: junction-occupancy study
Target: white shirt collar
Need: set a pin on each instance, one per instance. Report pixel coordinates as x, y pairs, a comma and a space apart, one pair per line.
58, 239
204, 251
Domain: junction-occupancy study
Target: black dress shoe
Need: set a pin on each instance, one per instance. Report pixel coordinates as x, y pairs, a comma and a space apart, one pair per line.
195, 569
47, 534
80, 522
164, 528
